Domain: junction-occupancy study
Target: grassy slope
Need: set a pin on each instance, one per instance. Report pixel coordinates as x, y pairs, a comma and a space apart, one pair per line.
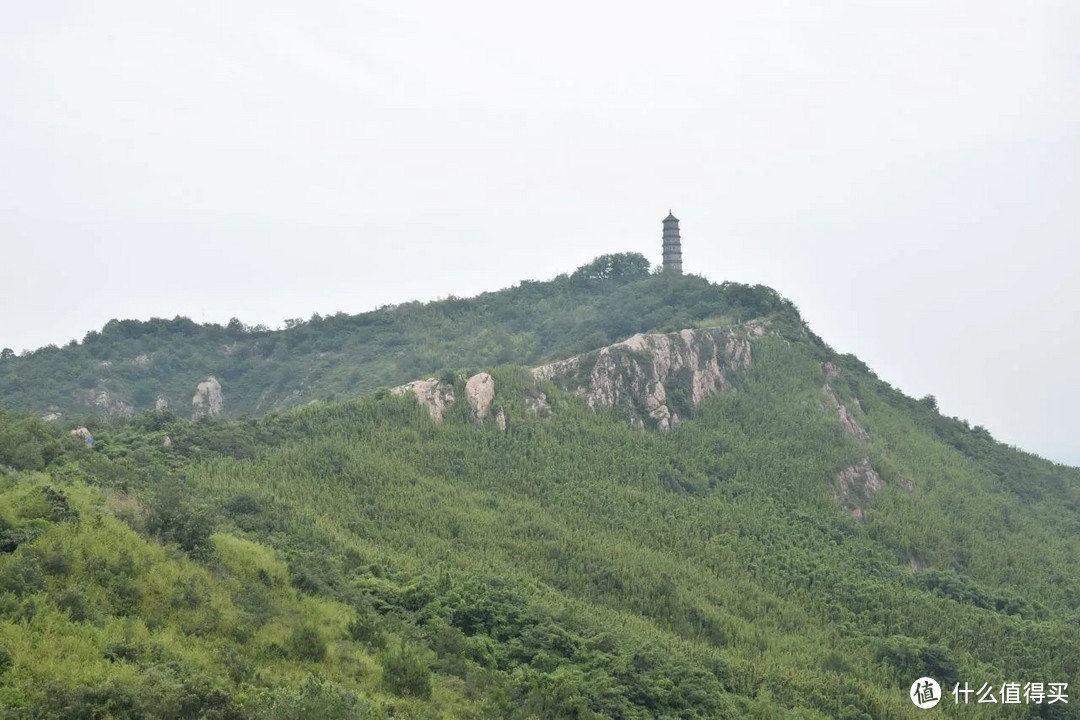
579, 568
98, 622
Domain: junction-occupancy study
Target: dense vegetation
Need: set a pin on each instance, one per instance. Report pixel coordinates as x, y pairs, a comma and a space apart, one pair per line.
357, 559
129, 364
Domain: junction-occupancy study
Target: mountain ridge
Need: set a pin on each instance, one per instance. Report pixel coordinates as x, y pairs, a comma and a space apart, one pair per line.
519, 540
131, 366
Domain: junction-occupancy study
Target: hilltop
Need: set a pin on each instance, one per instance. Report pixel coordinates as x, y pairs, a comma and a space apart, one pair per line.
708, 514
130, 366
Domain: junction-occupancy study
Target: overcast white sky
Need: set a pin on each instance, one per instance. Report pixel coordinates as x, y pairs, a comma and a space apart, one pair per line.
905, 172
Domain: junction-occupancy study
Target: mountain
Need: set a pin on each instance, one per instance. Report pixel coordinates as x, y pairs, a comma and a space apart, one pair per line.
131, 366
704, 518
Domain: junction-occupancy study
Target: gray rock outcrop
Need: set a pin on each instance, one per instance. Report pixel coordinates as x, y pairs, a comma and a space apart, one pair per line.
208, 400
856, 484
434, 395
644, 375
479, 392
851, 427
641, 372
538, 406
100, 398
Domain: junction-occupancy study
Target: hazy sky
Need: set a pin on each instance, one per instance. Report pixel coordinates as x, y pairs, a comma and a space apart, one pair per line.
905, 172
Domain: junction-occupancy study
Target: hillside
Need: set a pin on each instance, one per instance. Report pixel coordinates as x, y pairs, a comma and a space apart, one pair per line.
131, 366
710, 515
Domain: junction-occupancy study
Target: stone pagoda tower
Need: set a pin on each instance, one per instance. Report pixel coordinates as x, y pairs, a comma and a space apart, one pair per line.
672, 245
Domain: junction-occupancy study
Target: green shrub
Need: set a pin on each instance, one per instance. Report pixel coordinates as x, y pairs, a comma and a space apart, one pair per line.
482, 650
407, 672
23, 576
57, 563
74, 602
306, 643
125, 650
110, 700
170, 518
243, 504
316, 698
367, 629
59, 508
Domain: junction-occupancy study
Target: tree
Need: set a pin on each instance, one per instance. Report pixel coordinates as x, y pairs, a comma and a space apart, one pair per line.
306, 643
171, 518
407, 672
7, 354
618, 266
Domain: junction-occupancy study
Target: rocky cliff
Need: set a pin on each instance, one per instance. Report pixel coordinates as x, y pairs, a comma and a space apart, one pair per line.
851, 427
208, 399
657, 379
654, 379
433, 394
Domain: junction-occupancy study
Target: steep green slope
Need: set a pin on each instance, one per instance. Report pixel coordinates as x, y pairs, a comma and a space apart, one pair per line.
99, 622
573, 566
130, 364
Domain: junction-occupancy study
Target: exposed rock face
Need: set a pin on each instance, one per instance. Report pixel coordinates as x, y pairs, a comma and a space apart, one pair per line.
856, 484
738, 352
431, 393
645, 375
538, 406
142, 360
641, 373
52, 416
480, 391
161, 404
755, 328
656, 406
437, 396
851, 427
81, 433
208, 399
102, 399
